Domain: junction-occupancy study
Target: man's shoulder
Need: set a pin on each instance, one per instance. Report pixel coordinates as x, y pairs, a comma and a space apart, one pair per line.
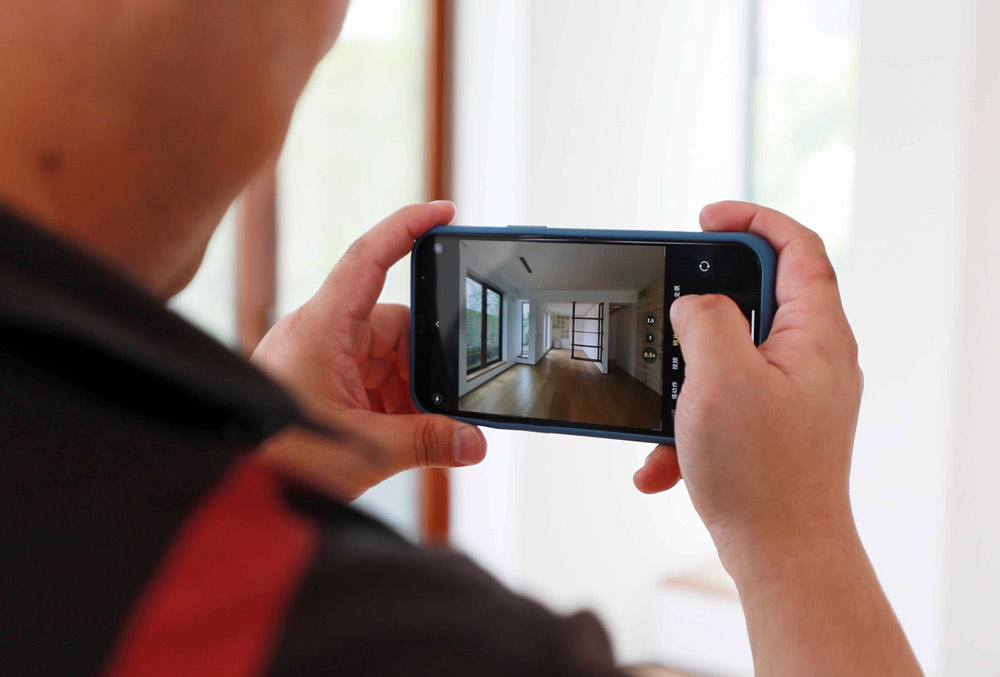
138, 530
116, 418
373, 601
270, 576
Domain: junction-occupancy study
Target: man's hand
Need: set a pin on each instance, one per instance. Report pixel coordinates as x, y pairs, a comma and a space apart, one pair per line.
764, 436
347, 361
764, 442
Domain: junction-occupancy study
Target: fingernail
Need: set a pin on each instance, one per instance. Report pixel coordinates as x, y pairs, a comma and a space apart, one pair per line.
454, 209
466, 446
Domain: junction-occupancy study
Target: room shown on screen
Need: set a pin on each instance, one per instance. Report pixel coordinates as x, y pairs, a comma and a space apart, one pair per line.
562, 331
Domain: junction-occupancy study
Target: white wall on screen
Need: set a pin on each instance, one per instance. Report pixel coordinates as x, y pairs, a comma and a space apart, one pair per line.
623, 322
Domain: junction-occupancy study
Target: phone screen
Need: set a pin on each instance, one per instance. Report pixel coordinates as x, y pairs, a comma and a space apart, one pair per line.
564, 332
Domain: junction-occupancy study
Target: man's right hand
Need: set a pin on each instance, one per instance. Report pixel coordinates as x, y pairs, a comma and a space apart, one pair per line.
764, 438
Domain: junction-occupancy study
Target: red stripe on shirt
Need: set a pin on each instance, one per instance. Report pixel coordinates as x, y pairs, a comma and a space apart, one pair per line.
216, 604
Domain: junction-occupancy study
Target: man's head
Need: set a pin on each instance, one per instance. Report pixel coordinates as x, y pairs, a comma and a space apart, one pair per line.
129, 127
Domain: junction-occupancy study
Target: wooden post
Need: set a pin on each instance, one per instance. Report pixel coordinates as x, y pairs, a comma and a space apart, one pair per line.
434, 491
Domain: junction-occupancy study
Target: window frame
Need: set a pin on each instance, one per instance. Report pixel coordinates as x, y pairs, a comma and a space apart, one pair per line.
482, 345
256, 237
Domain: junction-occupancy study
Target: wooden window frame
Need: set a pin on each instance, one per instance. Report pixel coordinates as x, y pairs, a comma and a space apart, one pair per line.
257, 235
434, 501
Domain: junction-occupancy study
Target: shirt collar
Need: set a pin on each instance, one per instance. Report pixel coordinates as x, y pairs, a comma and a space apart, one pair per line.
55, 301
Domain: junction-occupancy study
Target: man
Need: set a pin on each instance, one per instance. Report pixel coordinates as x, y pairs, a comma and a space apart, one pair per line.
168, 509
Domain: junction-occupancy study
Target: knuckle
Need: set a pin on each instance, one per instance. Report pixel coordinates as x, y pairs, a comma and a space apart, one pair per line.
425, 442
357, 250
689, 308
817, 267
400, 311
711, 303
826, 271
845, 345
815, 240
851, 344
714, 302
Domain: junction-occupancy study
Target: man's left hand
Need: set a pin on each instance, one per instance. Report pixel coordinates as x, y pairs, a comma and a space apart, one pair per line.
347, 361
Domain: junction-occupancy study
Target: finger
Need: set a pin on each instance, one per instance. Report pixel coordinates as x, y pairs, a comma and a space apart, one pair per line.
419, 440
355, 283
804, 269
375, 401
396, 395
403, 350
660, 472
377, 372
714, 335
810, 317
391, 334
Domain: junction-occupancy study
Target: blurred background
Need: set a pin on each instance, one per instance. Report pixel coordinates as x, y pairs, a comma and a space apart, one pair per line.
875, 123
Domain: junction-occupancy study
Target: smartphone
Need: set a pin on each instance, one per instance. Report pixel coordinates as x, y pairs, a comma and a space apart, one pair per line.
568, 331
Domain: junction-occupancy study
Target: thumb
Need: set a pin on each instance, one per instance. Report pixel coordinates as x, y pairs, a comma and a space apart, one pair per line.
713, 334
409, 441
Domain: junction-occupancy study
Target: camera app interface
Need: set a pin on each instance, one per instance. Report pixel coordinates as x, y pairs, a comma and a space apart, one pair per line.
564, 332
572, 333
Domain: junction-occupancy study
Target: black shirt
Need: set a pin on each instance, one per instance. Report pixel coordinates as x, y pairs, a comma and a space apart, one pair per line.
141, 536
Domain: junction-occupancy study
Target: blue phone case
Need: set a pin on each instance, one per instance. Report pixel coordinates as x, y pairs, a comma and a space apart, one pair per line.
765, 253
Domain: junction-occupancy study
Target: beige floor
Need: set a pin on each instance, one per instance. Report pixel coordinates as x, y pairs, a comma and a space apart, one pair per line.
564, 389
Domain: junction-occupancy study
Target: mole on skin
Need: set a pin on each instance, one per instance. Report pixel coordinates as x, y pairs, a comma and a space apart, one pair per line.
50, 162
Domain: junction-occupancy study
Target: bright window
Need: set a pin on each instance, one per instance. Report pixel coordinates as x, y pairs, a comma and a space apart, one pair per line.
525, 321
483, 323
473, 324
209, 301
493, 321
804, 95
355, 154
355, 151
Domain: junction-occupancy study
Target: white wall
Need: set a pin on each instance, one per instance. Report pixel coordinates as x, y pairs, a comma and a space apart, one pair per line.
491, 150
537, 346
634, 104
900, 285
543, 338
972, 583
624, 323
587, 301
586, 113
920, 286
612, 337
